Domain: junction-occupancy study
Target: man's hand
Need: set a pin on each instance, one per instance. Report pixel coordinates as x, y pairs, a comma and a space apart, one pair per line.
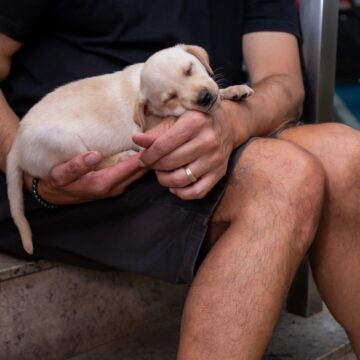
204, 143
201, 142
76, 181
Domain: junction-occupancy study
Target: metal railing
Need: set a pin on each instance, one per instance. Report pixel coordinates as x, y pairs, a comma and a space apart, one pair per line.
319, 25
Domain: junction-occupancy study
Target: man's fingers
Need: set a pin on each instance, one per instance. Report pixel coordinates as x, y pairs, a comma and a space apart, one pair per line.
194, 149
198, 190
184, 129
179, 179
163, 126
165, 144
144, 140
147, 139
98, 184
106, 179
64, 174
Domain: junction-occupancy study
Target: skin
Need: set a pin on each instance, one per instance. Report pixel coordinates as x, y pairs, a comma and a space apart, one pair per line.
236, 297
237, 294
335, 254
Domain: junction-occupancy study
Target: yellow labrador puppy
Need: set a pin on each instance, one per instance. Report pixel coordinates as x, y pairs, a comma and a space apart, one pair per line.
103, 113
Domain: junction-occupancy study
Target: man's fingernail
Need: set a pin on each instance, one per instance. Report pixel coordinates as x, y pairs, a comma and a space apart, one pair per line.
92, 159
172, 191
141, 164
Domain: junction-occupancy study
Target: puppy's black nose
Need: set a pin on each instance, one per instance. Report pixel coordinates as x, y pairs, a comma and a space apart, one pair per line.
205, 98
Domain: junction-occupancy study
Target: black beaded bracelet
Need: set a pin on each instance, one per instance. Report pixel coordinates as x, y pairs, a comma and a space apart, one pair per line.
37, 197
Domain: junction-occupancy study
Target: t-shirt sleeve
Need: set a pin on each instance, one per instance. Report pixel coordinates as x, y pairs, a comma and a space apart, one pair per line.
271, 15
19, 19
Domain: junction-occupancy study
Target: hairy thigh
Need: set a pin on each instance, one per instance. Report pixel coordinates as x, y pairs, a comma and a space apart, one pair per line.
270, 176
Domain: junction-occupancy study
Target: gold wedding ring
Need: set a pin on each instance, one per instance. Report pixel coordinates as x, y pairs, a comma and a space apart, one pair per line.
190, 175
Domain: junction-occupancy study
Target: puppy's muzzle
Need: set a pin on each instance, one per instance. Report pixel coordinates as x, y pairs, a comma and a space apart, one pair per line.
205, 98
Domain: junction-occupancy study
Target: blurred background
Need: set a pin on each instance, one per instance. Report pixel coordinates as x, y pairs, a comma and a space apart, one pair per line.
347, 98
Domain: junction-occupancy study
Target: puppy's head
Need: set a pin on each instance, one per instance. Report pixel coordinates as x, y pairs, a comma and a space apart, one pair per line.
175, 80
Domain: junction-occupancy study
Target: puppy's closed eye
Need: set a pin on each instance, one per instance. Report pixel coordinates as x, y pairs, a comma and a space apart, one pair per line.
169, 96
188, 71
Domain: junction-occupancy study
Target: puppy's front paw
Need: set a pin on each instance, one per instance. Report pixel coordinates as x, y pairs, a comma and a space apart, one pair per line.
236, 92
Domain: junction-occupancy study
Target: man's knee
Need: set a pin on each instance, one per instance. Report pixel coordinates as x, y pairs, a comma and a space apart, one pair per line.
337, 146
341, 148
275, 180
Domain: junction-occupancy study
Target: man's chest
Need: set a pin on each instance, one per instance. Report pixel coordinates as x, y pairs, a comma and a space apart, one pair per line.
129, 20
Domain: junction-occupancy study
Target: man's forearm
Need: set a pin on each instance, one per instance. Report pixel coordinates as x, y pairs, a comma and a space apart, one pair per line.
8, 126
277, 100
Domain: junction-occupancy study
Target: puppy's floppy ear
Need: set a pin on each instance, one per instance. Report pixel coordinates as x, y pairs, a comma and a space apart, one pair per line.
139, 112
201, 54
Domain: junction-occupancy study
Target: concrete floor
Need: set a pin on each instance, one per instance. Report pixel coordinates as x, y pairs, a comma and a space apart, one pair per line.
296, 338
319, 337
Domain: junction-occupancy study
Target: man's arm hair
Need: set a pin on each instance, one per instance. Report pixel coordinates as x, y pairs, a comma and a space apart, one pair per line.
273, 63
8, 119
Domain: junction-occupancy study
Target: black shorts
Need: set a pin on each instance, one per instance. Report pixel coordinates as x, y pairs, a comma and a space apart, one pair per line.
145, 230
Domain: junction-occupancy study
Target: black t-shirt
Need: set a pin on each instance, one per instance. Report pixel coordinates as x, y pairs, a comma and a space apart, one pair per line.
65, 40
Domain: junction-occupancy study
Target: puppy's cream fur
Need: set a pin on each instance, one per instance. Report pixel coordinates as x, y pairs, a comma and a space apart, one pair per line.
103, 112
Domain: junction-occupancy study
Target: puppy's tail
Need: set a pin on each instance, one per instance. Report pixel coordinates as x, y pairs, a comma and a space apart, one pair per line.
14, 178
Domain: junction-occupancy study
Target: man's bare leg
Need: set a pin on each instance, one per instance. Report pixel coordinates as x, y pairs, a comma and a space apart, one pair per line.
272, 205
335, 255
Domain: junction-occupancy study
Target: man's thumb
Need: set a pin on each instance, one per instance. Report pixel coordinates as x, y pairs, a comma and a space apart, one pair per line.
92, 158
65, 173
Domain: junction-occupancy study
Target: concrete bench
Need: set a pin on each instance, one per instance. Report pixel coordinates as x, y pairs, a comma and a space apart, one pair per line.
53, 311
